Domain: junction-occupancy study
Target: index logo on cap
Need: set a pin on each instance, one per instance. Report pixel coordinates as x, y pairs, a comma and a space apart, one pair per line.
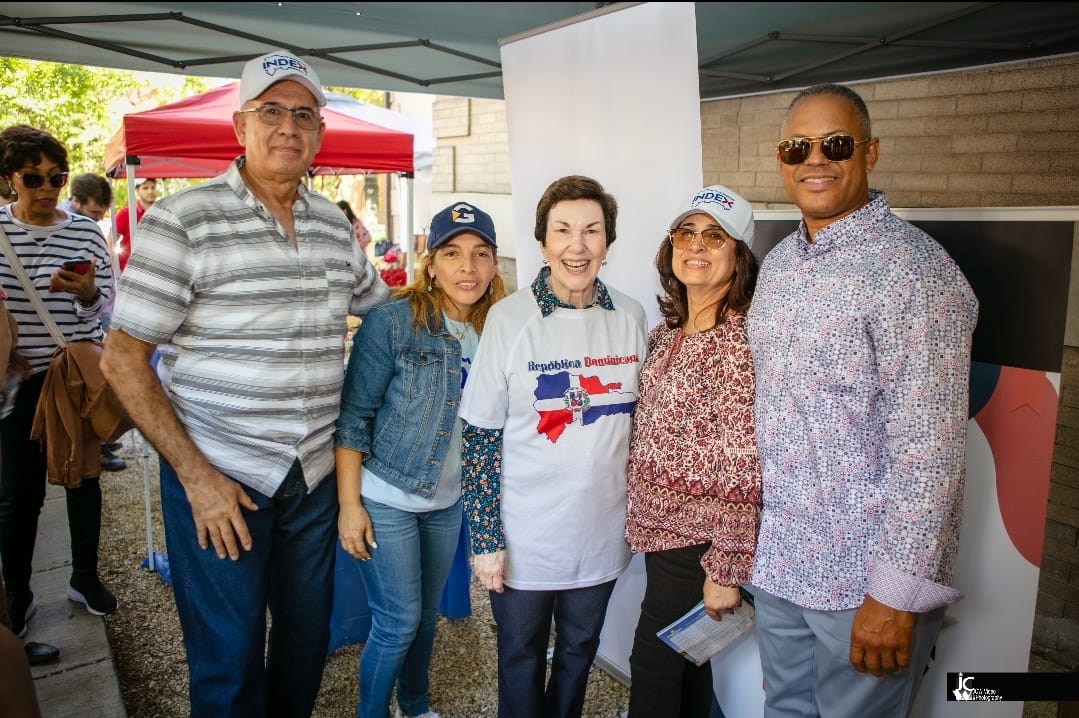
710, 195
271, 64
273, 67
729, 209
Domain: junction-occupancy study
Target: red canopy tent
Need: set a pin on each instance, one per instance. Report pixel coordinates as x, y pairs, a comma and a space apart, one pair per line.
194, 138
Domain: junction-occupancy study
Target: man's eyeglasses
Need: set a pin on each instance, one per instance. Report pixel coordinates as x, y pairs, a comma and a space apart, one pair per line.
682, 238
273, 115
836, 148
32, 180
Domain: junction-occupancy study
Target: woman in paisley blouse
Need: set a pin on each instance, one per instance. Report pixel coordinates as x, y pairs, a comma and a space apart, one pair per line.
694, 477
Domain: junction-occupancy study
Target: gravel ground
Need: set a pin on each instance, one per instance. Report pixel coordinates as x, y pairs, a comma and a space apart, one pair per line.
146, 640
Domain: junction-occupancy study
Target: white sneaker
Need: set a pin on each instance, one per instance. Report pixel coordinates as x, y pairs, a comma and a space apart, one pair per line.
428, 714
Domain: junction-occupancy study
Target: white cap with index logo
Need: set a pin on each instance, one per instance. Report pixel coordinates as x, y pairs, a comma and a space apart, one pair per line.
274, 67
729, 209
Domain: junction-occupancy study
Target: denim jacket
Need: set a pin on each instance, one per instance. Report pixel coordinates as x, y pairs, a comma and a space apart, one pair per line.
400, 398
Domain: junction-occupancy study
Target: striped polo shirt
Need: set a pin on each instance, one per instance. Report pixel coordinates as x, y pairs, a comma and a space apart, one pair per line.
250, 329
41, 251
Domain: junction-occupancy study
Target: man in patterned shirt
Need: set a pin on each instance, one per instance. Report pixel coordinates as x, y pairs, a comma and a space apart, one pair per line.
860, 332
243, 283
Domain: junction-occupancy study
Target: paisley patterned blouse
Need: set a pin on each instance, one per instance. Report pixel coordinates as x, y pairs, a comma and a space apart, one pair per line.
694, 474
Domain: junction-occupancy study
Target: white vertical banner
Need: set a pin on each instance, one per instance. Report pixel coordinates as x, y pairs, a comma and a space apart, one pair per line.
614, 96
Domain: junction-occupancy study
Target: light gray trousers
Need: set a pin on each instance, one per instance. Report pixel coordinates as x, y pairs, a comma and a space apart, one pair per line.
805, 658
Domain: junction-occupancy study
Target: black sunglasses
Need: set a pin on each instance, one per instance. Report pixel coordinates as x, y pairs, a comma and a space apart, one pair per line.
836, 148
33, 180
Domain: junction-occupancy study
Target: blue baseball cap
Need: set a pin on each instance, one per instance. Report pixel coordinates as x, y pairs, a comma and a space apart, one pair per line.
457, 218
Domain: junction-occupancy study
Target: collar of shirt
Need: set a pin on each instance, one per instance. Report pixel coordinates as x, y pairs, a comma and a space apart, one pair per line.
548, 302
235, 180
848, 230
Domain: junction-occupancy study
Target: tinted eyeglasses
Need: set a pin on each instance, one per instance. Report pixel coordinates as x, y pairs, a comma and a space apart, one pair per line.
273, 115
32, 180
682, 238
836, 148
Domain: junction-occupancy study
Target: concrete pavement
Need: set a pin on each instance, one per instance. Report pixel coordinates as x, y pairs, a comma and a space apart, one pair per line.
83, 683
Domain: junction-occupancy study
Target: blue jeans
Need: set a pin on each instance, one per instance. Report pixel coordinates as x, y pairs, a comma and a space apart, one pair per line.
222, 604
404, 580
524, 630
805, 658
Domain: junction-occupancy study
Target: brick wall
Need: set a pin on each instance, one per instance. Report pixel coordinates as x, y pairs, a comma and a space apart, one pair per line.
1056, 623
472, 155
1006, 136
1000, 137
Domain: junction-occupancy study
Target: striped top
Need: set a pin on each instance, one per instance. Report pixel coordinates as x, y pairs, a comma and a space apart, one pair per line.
42, 251
251, 329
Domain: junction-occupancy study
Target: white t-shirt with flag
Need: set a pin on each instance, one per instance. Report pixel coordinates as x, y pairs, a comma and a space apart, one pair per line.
562, 388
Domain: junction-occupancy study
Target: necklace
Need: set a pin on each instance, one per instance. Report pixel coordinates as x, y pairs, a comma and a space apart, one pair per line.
458, 329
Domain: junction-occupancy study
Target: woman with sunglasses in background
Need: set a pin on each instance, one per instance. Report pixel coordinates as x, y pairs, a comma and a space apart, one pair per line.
694, 478
34, 163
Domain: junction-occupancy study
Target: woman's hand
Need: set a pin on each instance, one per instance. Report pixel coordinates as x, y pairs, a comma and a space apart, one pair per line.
490, 568
355, 530
720, 599
83, 286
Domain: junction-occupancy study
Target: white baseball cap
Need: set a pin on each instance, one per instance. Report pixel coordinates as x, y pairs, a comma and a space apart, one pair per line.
274, 67
727, 208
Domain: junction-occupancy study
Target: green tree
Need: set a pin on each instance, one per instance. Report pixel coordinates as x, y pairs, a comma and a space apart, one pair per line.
371, 97
83, 106
80, 105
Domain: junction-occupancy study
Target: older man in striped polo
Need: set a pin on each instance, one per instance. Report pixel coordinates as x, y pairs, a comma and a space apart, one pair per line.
243, 284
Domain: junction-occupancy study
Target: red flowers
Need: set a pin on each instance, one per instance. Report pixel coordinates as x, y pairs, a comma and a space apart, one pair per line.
394, 277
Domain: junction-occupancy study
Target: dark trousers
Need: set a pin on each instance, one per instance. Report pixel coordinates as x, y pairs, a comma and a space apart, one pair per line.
663, 684
23, 472
524, 629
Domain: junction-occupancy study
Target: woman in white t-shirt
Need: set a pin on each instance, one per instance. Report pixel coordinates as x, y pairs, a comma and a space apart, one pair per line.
547, 421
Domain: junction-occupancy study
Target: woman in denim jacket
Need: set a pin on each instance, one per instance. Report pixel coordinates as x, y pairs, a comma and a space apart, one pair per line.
398, 449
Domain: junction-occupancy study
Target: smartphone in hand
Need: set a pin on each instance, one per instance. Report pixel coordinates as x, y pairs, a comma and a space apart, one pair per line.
78, 266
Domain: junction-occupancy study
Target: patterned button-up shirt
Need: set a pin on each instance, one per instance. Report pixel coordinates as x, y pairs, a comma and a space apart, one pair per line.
861, 348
